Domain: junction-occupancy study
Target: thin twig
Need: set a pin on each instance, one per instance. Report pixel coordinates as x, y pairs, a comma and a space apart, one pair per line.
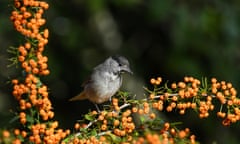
89, 124
103, 133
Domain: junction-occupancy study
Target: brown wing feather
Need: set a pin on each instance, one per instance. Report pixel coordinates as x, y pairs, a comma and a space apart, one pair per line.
81, 96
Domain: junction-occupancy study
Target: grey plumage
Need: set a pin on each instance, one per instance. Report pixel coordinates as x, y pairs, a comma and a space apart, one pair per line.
105, 80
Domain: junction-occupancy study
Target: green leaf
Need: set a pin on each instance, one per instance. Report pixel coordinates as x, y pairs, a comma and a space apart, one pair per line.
89, 117
114, 138
142, 119
29, 118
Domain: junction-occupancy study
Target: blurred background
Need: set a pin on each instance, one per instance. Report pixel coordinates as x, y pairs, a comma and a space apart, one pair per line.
171, 39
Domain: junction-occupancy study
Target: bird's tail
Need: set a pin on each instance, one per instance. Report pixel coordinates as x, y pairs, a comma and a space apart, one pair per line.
81, 96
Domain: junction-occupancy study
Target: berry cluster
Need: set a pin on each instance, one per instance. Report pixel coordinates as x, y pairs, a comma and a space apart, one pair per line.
35, 108
167, 135
191, 93
27, 19
194, 94
111, 126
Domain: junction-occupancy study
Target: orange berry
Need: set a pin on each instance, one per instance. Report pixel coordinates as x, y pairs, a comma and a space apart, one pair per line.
54, 124
28, 69
22, 115
17, 4
44, 5
16, 132
24, 134
181, 85
124, 120
122, 133
169, 108
117, 108
38, 15
32, 62
115, 101
24, 64
23, 9
152, 115
182, 134
160, 107
152, 96
172, 131
193, 105
174, 98
166, 125
17, 141
44, 66
174, 86
45, 72
186, 79
221, 114
159, 79
155, 105
182, 111
21, 58
35, 70
173, 104
23, 120
157, 82
45, 33
214, 90
104, 127
27, 14
116, 122
145, 104
229, 85
152, 81
134, 109
129, 119
181, 93
146, 110
140, 111
100, 117
117, 131
102, 139
224, 87
6, 134
126, 113
94, 112
14, 81
214, 80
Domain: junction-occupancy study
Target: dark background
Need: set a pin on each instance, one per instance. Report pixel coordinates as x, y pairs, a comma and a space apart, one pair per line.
171, 39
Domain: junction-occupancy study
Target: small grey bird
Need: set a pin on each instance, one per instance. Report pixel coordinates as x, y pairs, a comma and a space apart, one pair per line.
105, 80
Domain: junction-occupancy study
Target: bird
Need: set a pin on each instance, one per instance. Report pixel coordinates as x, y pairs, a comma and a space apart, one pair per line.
104, 81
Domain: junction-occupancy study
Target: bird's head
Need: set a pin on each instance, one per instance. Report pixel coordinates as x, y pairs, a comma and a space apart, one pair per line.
121, 64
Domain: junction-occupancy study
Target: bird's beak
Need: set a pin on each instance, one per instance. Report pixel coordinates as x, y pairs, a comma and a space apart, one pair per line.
127, 69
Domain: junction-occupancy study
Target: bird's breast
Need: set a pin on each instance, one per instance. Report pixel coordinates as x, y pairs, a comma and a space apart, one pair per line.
108, 85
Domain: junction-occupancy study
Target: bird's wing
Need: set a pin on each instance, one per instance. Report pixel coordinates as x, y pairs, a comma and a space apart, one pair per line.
80, 96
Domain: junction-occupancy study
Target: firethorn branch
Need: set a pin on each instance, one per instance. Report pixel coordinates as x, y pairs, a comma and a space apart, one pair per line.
35, 108
190, 93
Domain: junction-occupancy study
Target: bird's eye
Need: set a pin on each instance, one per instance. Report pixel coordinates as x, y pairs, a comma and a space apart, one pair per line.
119, 64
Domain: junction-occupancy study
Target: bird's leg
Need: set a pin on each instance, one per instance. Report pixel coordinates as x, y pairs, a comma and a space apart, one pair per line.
97, 108
110, 99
